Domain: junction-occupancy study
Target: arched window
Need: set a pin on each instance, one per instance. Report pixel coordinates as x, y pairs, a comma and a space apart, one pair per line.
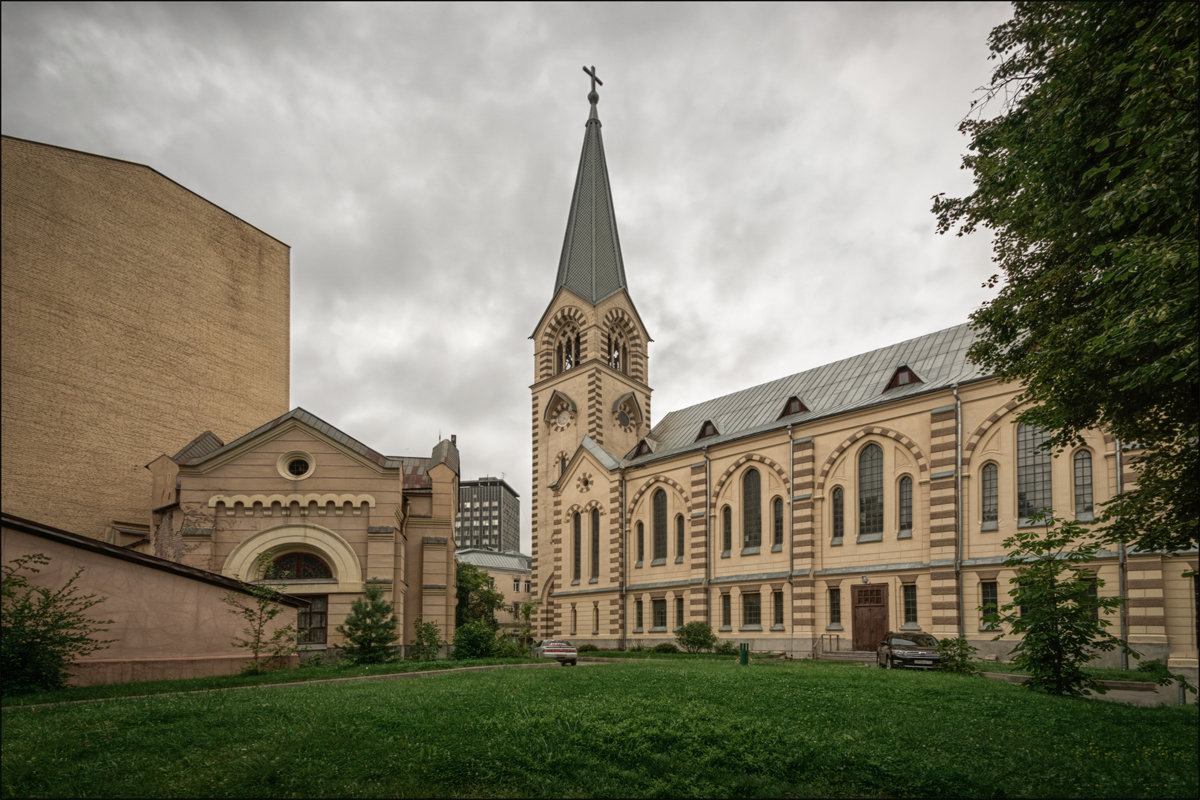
595, 570
870, 491
679, 537
641, 542
617, 352
751, 509
989, 496
566, 352
658, 547
839, 516
301, 566
905, 503
1083, 486
726, 529
777, 519
576, 546
1034, 493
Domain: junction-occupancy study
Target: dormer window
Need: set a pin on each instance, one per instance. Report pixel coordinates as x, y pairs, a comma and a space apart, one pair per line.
643, 449
707, 430
903, 377
792, 406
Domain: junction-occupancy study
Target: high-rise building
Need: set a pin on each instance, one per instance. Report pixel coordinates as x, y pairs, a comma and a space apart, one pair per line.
489, 516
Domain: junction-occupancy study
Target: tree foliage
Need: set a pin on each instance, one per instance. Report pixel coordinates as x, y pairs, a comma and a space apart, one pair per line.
476, 599
269, 644
370, 629
1088, 182
696, 637
427, 640
43, 631
1056, 607
475, 639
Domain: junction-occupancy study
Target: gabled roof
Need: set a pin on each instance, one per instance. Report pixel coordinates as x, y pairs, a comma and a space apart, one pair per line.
940, 359
591, 264
415, 469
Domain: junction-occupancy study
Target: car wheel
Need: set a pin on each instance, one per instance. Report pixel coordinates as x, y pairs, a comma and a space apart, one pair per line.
572, 663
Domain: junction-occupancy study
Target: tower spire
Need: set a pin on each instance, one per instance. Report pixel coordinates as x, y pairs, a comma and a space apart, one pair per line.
591, 265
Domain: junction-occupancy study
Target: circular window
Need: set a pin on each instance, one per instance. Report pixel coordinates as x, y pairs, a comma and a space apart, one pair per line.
295, 465
623, 418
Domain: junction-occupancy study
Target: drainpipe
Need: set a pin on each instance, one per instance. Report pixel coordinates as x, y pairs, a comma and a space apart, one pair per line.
707, 541
624, 534
1121, 563
958, 510
791, 552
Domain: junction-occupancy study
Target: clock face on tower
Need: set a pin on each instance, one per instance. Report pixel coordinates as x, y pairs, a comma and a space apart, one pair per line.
563, 419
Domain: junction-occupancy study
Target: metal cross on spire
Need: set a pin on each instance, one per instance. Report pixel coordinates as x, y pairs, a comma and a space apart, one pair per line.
593, 98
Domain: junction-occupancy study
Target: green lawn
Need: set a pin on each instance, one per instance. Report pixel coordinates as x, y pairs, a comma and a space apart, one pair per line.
630, 729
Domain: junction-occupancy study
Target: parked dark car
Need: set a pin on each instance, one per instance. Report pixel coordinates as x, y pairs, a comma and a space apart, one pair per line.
912, 649
564, 652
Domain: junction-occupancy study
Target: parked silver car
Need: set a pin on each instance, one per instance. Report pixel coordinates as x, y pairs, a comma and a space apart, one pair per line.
564, 652
916, 650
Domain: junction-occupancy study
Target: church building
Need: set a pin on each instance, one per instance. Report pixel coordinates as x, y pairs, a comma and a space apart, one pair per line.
809, 514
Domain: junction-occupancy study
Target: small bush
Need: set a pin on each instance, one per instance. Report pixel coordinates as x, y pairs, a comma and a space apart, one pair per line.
726, 648
474, 640
957, 655
696, 637
665, 647
504, 647
427, 641
587, 648
637, 647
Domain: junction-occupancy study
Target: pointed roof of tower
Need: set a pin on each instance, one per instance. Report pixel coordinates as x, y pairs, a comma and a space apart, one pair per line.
591, 264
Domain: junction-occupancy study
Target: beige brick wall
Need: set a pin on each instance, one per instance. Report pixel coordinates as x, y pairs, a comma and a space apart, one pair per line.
136, 314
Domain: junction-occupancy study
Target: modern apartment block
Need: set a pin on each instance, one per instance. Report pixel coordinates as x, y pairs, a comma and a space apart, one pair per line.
489, 516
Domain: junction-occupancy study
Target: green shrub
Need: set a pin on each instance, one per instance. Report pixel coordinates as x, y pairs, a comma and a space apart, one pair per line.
43, 631
427, 640
504, 647
665, 647
957, 654
474, 640
696, 637
726, 648
587, 648
637, 647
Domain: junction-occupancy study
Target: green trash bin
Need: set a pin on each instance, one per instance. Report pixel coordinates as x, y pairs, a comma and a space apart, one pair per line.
743, 653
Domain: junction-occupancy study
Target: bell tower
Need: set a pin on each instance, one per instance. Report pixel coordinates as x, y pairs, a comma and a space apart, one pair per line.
591, 359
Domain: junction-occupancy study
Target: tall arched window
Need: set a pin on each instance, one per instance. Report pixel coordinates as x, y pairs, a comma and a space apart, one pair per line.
617, 352
751, 509
566, 352
1083, 486
726, 529
777, 522
658, 548
839, 515
679, 537
595, 570
641, 542
576, 545
989, 497
870, 491
906, 505
1034, 493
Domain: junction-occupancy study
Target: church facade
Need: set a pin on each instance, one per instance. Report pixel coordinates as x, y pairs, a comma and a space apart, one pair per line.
812, 513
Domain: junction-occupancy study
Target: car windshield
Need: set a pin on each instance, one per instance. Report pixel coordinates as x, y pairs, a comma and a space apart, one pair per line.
914, 640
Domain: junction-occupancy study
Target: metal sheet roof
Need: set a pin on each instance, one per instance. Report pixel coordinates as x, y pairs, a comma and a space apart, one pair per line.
490, 559
939, 359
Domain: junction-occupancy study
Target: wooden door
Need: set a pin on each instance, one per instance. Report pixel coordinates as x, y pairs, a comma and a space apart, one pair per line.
870, 615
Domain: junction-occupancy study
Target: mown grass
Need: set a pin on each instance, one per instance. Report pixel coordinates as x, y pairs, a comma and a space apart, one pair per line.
626, 729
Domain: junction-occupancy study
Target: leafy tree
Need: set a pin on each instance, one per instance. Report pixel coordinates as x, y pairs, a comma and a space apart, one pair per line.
474, 640
1088, 181
43, 631
476, 599
1056, 608
269, 644
427, 640
370, 629
525, 615
696, 637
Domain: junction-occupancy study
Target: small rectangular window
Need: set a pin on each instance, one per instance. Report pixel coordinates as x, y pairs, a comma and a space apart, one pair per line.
516, 584
910, 604
835, 606
310, 621
751, 610
990, 602
726, 611
527, 586
660, 615
777, 605
678, 612
637, 622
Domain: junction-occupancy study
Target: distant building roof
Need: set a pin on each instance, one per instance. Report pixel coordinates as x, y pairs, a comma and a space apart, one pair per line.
938, 360
490, 559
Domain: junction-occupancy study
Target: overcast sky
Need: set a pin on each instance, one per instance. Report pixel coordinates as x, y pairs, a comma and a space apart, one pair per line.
772, 167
